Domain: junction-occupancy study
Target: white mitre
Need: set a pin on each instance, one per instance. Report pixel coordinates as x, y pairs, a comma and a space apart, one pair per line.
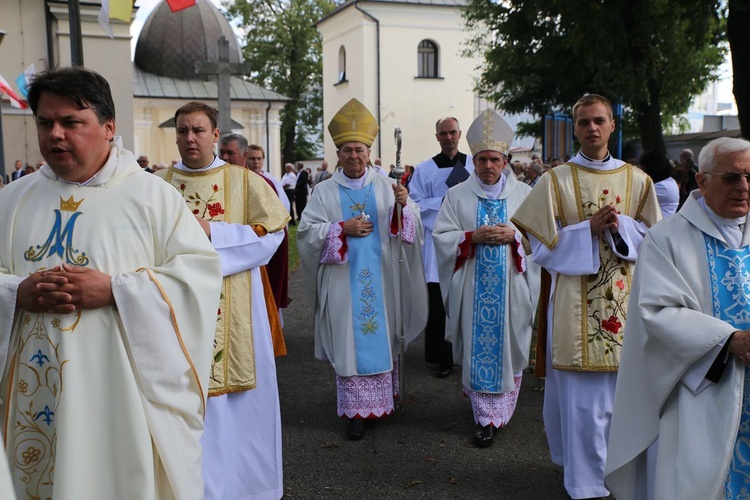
489, 132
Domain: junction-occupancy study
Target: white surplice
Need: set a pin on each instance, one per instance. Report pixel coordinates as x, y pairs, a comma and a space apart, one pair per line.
427, 188
109, 402
673, 432
242, 441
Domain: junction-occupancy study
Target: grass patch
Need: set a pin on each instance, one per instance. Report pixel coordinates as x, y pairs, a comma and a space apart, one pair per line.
293, 253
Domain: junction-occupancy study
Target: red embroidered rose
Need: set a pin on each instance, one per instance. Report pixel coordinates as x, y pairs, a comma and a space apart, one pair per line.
214, 209
196, 211
620, 284
618, 199
216, 187
612, 324
606, 191
182, 187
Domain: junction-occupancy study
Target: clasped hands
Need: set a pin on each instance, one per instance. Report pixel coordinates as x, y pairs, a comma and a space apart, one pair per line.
65, 289
604, 218
501, 234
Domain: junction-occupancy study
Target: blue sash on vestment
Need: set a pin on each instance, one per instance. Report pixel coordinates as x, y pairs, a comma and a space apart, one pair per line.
488, 324
729, 271
368, 312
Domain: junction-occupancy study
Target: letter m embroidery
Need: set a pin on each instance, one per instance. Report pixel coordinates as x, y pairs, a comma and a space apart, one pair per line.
59, 242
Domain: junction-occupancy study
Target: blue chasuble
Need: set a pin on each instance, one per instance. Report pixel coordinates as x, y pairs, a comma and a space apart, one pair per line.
729, 271
371, 343
488, 323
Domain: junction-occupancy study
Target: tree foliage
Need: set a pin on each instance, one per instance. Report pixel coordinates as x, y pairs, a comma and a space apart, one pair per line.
653, 56
738, 34
284, 47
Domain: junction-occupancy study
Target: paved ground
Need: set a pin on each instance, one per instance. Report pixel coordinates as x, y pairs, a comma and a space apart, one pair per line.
424, 453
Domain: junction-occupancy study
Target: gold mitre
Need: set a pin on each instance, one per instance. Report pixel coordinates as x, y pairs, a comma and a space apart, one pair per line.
489, 132
353, 122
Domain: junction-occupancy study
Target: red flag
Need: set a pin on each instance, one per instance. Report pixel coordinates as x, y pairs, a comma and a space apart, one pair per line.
177, 5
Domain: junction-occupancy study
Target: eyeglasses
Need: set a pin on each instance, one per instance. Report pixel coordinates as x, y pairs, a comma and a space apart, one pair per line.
731, 178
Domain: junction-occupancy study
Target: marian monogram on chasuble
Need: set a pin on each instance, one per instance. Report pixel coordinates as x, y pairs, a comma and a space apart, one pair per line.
729, 272
589, 311
488, 324
37, 366
226, 194
371, 340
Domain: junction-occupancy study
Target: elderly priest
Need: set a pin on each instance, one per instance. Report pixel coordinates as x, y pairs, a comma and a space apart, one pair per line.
681, 421
350, 252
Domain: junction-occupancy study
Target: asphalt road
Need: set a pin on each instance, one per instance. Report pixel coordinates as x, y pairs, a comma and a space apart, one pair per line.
424, 453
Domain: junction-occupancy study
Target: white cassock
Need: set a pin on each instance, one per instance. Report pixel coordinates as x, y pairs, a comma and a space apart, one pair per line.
242, 440
673, 432
107, 403
511, 328
578, 405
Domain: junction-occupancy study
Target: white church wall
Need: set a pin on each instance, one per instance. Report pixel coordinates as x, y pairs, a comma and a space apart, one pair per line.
413, 104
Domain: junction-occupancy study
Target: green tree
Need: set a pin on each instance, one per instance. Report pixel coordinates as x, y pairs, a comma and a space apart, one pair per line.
284, 47
652, 56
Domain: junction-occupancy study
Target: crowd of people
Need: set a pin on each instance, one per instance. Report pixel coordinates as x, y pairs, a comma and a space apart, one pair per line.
140, 315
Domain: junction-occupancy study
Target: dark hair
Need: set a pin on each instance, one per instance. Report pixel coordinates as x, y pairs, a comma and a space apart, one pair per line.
656, 165
198, 107
86, 88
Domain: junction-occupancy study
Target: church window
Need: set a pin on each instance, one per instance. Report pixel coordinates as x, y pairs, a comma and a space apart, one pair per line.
342, 65
427, 59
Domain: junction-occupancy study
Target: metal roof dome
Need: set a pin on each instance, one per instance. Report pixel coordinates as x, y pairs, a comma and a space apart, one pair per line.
171, 42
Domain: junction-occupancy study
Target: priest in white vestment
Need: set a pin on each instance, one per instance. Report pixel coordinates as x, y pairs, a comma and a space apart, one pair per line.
431, 180
245, 222
490, 288
681, 422
585, 221
350, 251
108, 297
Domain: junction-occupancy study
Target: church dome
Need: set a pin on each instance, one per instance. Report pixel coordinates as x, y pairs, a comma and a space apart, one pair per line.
171, 42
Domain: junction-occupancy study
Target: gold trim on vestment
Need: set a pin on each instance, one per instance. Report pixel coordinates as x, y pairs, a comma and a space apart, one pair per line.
217, 196
185, 352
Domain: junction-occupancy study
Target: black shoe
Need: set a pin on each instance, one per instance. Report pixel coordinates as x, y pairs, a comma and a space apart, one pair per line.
483, 436
355, 429
443, 372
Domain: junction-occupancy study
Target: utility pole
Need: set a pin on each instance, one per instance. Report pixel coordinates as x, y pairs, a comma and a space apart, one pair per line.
76, 39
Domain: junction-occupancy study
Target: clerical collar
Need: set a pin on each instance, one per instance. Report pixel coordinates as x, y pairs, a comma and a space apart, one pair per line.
493, 191
731, 229
216, 162
358, 182
603, 160
443, 161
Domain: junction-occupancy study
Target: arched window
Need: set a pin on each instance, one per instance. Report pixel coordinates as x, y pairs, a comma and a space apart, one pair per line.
342, 64
427, 59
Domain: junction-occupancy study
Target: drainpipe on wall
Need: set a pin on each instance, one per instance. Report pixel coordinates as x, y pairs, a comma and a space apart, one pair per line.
377, 66
268, 140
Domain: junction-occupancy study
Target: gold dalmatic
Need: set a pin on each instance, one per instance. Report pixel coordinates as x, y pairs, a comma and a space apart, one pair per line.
589, 311
235, 195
